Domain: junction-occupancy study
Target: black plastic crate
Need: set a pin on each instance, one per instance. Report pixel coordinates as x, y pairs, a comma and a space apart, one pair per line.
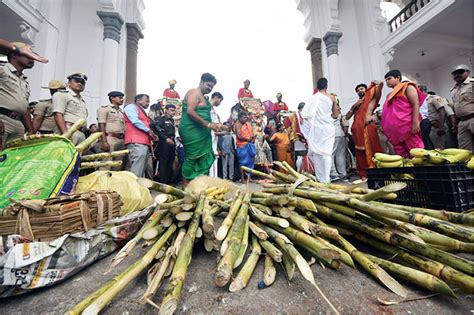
449, 187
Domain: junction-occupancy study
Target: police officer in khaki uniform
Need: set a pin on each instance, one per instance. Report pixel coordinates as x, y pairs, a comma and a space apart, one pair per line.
111, 124
69, 106
14, 94
463, 99
438, 114
43, 119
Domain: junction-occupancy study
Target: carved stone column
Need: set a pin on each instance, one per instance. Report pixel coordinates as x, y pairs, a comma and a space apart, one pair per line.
331, 40
134, 34
314, 48
113, 23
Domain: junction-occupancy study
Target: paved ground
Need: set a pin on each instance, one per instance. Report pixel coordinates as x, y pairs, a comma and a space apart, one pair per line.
352, 291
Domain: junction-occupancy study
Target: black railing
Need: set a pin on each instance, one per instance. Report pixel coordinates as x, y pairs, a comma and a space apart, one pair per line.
406, 13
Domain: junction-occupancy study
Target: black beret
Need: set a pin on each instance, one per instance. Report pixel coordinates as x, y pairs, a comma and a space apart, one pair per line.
115, 93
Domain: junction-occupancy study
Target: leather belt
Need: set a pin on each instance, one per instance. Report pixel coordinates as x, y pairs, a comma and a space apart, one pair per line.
466, 117
115, 135
45, 132
9, 113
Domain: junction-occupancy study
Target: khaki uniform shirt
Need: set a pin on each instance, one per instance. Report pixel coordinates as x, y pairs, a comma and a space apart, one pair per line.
14, 89
112, 117
70, 104
463, 98
45, 108
435, 103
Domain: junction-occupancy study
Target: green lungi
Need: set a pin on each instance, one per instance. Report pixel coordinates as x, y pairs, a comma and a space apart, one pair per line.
197, 142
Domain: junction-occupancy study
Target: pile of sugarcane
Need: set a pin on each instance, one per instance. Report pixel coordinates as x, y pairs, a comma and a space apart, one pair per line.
291, 220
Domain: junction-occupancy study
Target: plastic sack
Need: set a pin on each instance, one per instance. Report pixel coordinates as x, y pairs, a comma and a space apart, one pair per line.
134, 196
38, 168
26, 266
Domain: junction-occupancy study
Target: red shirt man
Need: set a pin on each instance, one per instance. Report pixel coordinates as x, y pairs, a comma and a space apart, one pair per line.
279, 104
245, 92
170, 92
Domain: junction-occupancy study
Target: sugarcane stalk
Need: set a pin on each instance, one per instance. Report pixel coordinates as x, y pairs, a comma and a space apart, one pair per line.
300, 262
157, 278
443, 227
443, 240
368, 265
229, 219
288, 264
303, 204
216, 210
319, 228
453, 217
272, 201
163, 198
227, 262
155, 217
258, 173
153, 232
244, 244
283, 212
269, 271
328, 256
283, 177
84, 145
167, 189
173, 291
271, 250
260, 216
341, 208
345, 256
208, 222
104, 155
447, 273
105, 298
224, 205
78, 308
89, 165
259, 194
454, 261
75, 127
384, 191
420, 278
265, 209
172, 204
300, 222
257, 231
183, 216
245, 273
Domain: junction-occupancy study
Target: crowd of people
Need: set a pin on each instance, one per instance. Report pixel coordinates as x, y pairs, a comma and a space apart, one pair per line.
179, 139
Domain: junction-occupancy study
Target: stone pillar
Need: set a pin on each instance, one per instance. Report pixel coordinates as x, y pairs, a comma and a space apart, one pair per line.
331, 40
112, 26
134, 34
314, 48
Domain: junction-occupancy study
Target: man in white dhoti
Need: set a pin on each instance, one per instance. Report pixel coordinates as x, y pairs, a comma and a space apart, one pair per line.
318, 116
216, 99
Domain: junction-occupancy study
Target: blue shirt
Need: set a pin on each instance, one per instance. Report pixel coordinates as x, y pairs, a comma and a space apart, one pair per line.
226, 143
132, 115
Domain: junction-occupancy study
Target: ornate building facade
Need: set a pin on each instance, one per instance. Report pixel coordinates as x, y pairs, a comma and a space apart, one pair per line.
96, 37
350, 41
